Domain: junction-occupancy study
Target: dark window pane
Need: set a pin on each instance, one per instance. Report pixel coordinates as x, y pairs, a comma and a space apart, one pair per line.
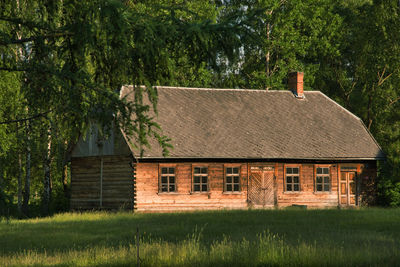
289, 179
164, 188
196, 188
326, 179
204, 179
236, 179
197, 179
164, 179
319, 170
229, 170
326, 187
196, 170
204, 188
326, 170
171, 188
235, 170
295, 179
236, 187
229, 179
228, 187
164, 170
319, 187
289, 187
295, 170
171, 170
296, 187
289, 170
319, 179
352, 188
204, 170
172, 179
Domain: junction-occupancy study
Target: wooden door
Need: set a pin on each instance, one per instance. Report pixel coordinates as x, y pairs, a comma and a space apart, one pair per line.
261, 186
348, 188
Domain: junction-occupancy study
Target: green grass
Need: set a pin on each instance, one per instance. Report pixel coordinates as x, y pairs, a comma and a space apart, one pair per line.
290, 237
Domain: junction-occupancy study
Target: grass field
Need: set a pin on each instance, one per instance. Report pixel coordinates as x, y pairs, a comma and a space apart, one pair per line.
290, 237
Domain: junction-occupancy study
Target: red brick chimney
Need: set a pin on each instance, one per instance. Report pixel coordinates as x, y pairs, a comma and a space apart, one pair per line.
296, 83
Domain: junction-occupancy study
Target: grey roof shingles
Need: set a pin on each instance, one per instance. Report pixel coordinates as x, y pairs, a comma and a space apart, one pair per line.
258, 124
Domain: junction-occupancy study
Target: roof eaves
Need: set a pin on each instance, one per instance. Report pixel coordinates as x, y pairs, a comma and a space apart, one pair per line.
252, 158
373, 138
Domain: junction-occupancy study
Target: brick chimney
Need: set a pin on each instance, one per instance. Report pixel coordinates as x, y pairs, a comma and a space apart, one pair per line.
296, 83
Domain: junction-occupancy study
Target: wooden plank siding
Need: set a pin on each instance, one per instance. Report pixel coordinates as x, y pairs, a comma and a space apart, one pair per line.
109, 188
148, 197
139, 188
307, 194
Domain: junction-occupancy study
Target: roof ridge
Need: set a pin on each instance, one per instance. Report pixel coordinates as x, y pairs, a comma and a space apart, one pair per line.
206, 88
220, 89
227, 89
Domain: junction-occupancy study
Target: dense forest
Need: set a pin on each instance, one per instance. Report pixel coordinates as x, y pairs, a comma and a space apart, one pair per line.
64, 61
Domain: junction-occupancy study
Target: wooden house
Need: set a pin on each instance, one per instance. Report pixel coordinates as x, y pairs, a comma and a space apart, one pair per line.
233, 148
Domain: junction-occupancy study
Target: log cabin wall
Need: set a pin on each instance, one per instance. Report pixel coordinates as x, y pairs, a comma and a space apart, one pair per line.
102, 183
148, 197
307, 195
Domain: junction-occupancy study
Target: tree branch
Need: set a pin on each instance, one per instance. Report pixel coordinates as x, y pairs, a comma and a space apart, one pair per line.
33, 38
26, 119
12, 69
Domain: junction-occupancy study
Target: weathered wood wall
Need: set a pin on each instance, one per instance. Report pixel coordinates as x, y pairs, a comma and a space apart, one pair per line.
148, 197
307, 194
110, 187
118, 188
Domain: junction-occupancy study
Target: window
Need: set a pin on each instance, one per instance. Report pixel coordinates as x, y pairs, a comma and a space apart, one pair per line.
322, 181
232, 181
167, 179
200, 179
292, 179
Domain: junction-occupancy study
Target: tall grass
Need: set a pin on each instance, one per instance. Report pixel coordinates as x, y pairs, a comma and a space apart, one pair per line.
226, 238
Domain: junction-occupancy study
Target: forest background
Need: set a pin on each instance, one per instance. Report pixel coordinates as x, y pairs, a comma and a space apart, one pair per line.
62, 63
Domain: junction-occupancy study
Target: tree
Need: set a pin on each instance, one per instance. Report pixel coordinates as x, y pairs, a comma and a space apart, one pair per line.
76, 55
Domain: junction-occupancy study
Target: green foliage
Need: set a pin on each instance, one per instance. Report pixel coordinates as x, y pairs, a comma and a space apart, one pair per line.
63, 63
223, 238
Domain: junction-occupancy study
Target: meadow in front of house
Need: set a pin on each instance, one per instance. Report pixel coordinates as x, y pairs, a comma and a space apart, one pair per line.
209, 238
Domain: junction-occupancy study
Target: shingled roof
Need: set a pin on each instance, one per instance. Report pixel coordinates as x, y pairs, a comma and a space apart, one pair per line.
258, 124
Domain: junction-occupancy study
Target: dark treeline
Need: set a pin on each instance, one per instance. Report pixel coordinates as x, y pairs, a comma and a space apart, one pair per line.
62, 64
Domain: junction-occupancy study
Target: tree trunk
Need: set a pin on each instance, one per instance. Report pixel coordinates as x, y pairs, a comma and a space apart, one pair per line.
20, 174
47, 176
65, 178
67, 156
27, 189
267, 56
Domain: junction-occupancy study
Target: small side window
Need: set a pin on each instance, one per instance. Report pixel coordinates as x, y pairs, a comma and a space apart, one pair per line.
167, 179
292, 179
322, 179
200, 179
232, 179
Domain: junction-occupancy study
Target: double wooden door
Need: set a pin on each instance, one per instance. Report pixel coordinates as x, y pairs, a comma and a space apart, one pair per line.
261, 186
348, 188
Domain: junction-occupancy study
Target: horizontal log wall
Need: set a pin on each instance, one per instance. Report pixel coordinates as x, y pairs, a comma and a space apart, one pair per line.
307, 194
113, 191
118, 181
149, 199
